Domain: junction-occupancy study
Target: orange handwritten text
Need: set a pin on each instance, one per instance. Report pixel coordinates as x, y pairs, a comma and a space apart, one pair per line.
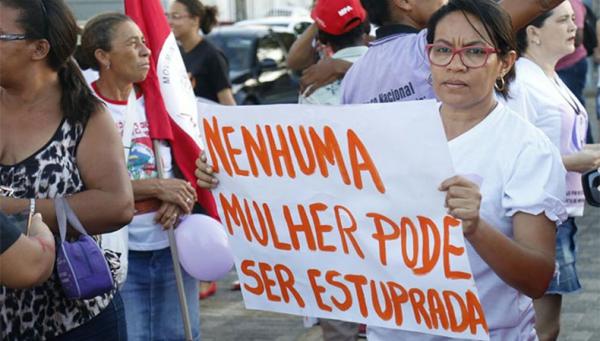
284, 151
422, 249
304, 230
283, 283
447, 310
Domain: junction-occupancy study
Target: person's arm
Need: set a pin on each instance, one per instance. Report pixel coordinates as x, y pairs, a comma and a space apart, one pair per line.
526, 262
106, 204
523, 11
586, 159
30, 260
302, 53
225, 97
177, 196
175, 191
326, 71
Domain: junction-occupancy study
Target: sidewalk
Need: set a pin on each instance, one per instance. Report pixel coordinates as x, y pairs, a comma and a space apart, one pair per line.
581, 311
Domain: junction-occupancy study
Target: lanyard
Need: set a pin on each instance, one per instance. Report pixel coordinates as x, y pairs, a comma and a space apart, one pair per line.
572, 101
578, 131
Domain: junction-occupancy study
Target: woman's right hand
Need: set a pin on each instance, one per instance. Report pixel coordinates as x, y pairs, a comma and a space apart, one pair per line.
40, 231
168, 215
586, 159
178, 192
205, 173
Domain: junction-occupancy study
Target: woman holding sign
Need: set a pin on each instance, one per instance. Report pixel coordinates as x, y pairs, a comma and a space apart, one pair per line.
508, 218
509, 198
114, 46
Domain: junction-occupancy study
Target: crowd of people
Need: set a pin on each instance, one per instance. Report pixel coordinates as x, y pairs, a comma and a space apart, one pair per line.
504, 73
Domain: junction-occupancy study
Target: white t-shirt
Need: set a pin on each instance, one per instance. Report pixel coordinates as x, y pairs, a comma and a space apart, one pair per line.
144, 233
518, 101
561, 117
521, 171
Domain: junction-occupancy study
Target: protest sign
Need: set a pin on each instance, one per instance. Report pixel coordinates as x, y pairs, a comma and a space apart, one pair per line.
335, 212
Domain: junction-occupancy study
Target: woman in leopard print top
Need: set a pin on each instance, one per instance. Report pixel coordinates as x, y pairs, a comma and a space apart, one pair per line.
56, 140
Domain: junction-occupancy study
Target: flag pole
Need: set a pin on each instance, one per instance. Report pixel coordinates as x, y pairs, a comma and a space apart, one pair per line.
175, 256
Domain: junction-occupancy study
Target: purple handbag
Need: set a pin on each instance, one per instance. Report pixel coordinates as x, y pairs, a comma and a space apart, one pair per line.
81, 265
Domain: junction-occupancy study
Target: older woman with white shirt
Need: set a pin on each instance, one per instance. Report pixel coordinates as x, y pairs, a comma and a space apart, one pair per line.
115, 46
564, 119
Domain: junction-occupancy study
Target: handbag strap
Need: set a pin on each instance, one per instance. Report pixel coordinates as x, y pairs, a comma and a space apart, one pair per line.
61, 218
65, 213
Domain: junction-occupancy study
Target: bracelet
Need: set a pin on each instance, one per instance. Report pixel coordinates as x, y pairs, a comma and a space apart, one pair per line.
30, 216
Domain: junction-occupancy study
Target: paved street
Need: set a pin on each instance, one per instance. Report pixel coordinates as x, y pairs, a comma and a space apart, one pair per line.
581, 313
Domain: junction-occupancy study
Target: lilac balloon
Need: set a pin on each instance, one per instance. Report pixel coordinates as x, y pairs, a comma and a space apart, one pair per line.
203, 248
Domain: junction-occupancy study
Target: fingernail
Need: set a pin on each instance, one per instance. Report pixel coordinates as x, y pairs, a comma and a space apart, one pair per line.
209, 169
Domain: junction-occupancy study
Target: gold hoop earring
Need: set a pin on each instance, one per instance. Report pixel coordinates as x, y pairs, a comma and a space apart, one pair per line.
501, 86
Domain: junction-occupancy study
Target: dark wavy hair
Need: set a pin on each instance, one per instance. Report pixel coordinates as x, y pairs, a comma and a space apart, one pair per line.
207, 14
53, 21
495, 20
98, 33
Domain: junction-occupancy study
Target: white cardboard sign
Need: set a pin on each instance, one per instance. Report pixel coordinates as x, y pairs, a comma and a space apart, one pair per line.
335, 212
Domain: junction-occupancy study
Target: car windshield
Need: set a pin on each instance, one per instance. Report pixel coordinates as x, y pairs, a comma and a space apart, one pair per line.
237, 50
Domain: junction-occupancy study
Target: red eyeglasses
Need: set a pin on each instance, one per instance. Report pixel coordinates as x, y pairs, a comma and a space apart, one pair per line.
470, 56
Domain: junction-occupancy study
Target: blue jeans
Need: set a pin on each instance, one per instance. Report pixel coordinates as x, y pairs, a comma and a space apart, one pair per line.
566, 279
151, 302
108, 325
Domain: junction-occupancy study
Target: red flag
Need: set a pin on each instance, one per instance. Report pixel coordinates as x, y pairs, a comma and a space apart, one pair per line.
170, 102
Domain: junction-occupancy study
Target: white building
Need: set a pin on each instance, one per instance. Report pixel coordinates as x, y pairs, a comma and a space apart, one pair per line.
235, 10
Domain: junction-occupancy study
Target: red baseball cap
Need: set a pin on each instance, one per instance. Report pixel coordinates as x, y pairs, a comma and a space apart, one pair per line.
338, 16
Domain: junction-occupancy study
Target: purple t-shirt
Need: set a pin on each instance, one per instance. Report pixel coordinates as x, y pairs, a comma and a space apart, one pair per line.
395, 68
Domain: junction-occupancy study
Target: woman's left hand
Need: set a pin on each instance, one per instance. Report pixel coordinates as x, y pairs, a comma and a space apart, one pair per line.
463, 200
168, 215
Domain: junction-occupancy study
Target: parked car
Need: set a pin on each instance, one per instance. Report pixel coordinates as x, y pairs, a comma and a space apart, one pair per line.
288, 11
295, 25
257, 63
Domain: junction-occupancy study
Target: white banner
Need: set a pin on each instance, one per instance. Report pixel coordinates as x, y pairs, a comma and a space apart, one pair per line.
335, 212
176, 88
